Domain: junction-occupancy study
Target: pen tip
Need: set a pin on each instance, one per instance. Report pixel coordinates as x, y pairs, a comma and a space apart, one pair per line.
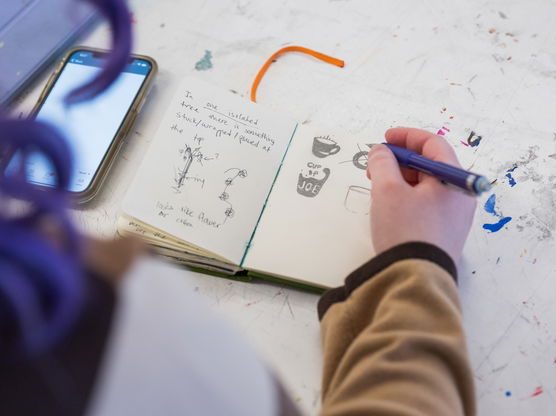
481, 185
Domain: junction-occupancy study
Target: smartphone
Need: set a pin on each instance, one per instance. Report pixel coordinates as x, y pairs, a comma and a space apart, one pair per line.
96, 128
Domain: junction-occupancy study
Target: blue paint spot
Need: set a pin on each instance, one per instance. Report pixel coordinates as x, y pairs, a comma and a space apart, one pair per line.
497, 226
508, 393
490, 207
512, 181
204, 63
490, 203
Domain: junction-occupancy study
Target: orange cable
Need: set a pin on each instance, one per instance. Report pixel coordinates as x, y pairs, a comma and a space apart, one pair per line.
318, 55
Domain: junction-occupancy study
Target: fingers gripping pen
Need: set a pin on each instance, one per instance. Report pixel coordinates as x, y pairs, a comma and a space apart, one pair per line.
468, 181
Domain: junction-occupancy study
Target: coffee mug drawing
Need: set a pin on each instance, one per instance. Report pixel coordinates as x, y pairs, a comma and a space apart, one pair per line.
311, 186
357, 199
324, 146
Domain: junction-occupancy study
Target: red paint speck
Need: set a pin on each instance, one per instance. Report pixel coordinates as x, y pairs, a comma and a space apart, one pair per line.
451, 117
538, 391
462, 142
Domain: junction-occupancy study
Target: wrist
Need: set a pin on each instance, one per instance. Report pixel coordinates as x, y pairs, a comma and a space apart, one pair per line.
410, 250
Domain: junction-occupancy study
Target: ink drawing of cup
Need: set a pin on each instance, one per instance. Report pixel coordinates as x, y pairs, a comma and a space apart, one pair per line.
324, 146
311, 184
357, 199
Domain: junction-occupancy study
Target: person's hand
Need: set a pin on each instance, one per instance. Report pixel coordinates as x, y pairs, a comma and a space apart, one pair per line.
408, 205
111, 259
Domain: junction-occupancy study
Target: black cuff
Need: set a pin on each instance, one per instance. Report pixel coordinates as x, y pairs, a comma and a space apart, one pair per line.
414, 250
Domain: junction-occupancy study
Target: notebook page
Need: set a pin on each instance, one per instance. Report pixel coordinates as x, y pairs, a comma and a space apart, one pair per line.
315, 228
208, 171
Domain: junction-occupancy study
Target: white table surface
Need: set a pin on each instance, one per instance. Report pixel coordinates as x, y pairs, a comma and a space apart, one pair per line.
487, 66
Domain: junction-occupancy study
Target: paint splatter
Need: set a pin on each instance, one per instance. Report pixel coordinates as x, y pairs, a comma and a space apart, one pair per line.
204, 63
474, 139
508, 393
465, 144
132, 18
511, 180
538, 391
248, 304
442, 131
498, 225
490, 205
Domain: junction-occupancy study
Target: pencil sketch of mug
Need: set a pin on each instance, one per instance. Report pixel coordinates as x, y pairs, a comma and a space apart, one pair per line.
357, 199
324, 146
312, 182
360, 159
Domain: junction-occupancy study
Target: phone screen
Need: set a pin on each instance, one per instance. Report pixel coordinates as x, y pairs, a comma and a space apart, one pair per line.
91, 126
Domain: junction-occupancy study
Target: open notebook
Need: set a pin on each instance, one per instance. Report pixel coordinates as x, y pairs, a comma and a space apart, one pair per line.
234, 188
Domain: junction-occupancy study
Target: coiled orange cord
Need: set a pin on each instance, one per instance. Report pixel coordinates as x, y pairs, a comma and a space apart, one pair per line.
318, 55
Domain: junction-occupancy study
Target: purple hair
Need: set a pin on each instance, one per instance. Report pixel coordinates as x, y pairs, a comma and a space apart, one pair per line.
42, 280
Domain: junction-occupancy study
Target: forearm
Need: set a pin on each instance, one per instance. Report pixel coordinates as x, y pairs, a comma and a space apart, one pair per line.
393, 339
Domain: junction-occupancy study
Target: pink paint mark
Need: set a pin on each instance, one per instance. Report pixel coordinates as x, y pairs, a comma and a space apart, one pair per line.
537, 321
451, 117
538, 391
279, 293
443, 131
132, 18
465, 144
252, 303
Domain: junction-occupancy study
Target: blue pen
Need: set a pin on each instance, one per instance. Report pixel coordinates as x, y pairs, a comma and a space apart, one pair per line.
468, 181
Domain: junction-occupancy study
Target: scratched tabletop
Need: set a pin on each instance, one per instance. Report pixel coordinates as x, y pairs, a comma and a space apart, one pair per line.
482, 73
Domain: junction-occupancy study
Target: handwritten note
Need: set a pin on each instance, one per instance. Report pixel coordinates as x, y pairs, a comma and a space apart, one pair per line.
208, 172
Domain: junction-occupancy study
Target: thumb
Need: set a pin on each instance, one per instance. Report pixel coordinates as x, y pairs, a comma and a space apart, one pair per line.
383, 166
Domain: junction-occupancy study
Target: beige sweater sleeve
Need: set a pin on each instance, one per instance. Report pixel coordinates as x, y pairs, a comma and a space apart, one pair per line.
394, 343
